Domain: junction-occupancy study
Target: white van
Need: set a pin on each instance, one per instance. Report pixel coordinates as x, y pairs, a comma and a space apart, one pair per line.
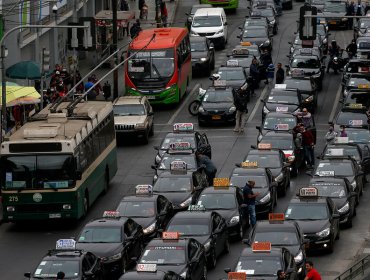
211, 23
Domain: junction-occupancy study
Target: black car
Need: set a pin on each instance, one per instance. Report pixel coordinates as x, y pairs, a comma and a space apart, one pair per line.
297, 44
268, 13
217, 106
284, 141
183, 132
350, 117
150, 272
282, 234
279, 100
114, 240
265, 262
152, 212
233, 76
360, 28
346, 168
307, 88
356, 82
191, 13
274, 160
266, 201
355, 66
75, 264
207, 227
227, 202
257, 35
340, 191
356, 99
241, 56
202, 55
336, 9
255, 21
181, 189
184, 256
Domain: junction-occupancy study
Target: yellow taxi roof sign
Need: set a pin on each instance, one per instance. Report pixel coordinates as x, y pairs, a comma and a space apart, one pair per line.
276, 217
170, 235
363, 86
237, 276
264, 146
261, 247
249, 164
355, 105
245, 44
221, 182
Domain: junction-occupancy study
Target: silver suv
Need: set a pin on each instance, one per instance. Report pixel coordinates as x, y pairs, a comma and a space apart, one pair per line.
133, 116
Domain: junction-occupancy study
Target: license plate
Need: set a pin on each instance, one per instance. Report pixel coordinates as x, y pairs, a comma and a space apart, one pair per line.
55, 216
150, 97
217, 117
332, 22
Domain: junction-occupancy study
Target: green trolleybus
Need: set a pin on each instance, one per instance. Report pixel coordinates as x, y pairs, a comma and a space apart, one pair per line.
55, 167
226, 4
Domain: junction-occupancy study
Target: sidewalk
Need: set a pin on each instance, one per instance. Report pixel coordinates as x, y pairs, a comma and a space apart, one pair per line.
88, 63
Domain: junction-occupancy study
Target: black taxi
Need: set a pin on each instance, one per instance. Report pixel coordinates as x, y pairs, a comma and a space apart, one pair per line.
351, 117
318, 217
207, 227
184, 256
114, 240
68, 261
151, 211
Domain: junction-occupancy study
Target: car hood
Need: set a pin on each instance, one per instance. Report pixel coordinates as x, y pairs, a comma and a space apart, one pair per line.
175, 268
144, 221
313, 226
129, 119
217, 106
262, 192
273, 106
100, 249
176, 197
198, 54
275, 171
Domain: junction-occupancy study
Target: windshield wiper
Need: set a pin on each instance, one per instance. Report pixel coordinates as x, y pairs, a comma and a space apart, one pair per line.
156, 70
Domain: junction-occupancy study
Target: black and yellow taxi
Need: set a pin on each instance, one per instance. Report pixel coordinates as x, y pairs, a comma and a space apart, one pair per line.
355, 66
227, 201
149, 272
275, 161
281, 233
151, 211
241, 56
307, 89
68, 261
356, 82
184, 256
318, 218
356, 99
183, 132
207, 227
262, 261
264, 185
351, 117
114, 239
180, 186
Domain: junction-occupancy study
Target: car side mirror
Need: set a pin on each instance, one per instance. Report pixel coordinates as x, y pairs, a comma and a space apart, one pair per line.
225, 23
187, 14
246, 241
263, 101
211, 47
78, 175
241, 28
287, 66
238, 165
227, 270
27, 275
290, 43
153, 167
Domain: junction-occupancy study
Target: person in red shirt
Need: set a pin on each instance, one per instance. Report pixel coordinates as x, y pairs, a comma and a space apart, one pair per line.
308, 143
312, 273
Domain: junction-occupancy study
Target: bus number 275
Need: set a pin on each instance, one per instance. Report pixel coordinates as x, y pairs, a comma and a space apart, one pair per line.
13, 198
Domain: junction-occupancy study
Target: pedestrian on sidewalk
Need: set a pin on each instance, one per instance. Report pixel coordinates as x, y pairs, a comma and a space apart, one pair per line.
141, 5
280, 74
312, 273
308, 144
135, 29
304, 117
164, 14
240, 103
250, 200
124, 6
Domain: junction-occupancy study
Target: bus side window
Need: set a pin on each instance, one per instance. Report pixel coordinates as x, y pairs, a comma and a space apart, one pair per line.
179, 59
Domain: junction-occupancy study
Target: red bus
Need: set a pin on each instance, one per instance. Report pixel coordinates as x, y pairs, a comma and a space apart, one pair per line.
162, 70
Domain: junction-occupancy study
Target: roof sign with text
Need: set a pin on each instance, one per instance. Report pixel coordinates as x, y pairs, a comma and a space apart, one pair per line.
219, 83
144, 190
281, 126
325, 173
261, 247
65, 244
237, 276
276, 217
355, 122
111, 214
249, 164
196, 208
221, 182
170, 235
183, 127
308, 192
341, 140
178, 166
146, 267
180, 146
264, 146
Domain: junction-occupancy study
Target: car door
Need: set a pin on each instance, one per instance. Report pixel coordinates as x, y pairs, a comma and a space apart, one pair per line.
86, 267
149, 111
193, 263
218, 229
95, 265
131, 245
334, 223
240, 201
199, 259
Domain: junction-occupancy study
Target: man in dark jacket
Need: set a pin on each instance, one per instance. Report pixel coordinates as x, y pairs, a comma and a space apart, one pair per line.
209, 168
280, 74
254, 73
135, 29
240, 103
352, 49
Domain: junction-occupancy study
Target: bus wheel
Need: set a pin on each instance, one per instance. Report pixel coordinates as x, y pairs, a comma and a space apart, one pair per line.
85, 204
106, 180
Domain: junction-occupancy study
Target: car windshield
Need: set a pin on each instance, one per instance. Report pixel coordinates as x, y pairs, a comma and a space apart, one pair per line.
300, 84
273, 122
50, 269
172, 184
258, 266
241, 180
167, 159
279, 142
358, 98
359, 82
218, 96
263, 12
317, 2
104, 234
151, 65
342, 151
339, 168
206, 21
37, 172
358, 136
214, 201
288, 99
198, 46
138, 209
190, 227
303, 62
271, 161
255, 32
172, 138
316, 42
330, 189
351, 119
255, 23
307, 211
231, 74
129, 110
162, 255
335, 7
276, 237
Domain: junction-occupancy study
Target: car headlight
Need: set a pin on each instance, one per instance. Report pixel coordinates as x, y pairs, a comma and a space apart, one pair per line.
112, 258
291, 158
344, 209
267, 42
309, 99
279, 178
324, 233
203, 59
150, 228
265, 110
140, 125
207, 245
155, 177
183, 275
186, 202
299, 257
325, 41
157, 159
272, 22
201, 109
232, 109
234, 220
219, 32
266, 198
345, 92
354, 185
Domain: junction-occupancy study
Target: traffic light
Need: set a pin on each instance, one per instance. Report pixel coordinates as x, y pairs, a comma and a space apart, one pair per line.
307, 25
45, 58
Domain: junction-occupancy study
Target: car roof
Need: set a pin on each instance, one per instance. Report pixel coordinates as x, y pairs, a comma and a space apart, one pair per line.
276, 133
335, 160
133, 275
249, 171
226, 68
65, 254
317, 179
263, 152
272, 226
209, 12
318, 200
129, 100
275, 251
118, 222
160, 242
168, 174
153, 197
211, 189
193, 215
278, 114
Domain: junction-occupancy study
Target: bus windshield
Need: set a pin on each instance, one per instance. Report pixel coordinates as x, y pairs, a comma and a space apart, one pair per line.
37, 171
151, 64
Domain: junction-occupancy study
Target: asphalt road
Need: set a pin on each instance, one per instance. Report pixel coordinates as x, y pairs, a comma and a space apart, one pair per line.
22, 246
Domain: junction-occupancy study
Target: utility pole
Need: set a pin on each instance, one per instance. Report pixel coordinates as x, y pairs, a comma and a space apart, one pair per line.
158, 12
115, 43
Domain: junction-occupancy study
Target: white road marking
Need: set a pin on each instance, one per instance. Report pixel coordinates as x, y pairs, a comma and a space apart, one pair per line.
336, 103
251, 116
184, 102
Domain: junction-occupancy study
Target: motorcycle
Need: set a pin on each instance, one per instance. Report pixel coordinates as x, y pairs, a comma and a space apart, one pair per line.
193, 107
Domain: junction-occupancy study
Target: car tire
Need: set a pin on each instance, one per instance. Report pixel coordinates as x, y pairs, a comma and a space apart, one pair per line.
123, 265
212, 260
151, 131
240, 233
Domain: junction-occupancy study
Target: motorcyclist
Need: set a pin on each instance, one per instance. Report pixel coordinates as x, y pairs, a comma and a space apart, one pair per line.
334, 52
352, 49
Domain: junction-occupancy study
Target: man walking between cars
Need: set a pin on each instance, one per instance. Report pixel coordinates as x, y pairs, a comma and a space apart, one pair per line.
209, 168
250, 201
312, 273
308, 144
240, 103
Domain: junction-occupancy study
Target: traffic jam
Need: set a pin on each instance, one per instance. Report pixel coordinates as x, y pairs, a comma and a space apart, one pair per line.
182, 224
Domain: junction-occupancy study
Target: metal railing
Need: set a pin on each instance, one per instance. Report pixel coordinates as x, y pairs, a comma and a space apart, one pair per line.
356, 269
